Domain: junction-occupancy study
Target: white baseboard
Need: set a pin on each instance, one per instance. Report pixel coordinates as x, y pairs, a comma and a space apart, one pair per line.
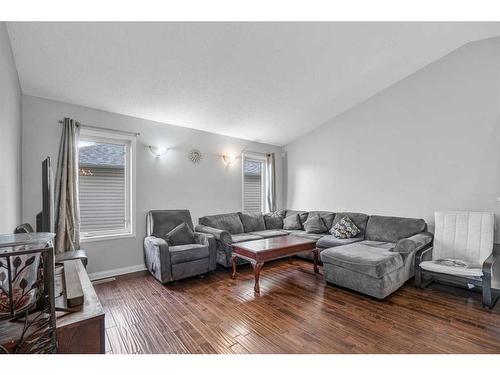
115, 272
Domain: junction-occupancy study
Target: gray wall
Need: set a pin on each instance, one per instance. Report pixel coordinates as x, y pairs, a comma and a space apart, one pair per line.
10, 137
168, 182
430, 142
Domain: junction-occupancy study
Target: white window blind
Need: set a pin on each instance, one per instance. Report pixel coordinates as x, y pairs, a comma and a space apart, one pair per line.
102, 199
253, 185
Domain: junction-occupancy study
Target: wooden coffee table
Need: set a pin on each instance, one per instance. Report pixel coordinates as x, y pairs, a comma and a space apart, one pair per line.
260, 251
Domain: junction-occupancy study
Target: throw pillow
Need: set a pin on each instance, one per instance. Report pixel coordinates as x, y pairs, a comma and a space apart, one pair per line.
252, 222
182, 234
315, 224
345, 228
273, 221
292, 222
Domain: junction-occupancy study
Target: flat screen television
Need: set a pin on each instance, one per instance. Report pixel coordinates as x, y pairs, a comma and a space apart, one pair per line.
45, 219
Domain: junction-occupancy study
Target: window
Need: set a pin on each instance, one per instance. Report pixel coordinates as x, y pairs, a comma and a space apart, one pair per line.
253, 183
105, 185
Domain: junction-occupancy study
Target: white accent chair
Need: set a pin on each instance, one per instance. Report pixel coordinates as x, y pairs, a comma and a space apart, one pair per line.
465, 237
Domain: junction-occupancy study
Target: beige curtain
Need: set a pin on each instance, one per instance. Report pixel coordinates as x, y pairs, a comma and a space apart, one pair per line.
67, 210
271, 183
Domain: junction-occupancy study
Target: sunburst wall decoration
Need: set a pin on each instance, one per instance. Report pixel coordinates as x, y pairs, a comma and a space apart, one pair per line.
195, 155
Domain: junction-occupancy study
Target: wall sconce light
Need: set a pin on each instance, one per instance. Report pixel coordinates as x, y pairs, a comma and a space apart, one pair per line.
158, 151
228, 159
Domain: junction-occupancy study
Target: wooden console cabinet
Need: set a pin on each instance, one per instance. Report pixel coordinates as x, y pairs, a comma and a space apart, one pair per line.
82, 331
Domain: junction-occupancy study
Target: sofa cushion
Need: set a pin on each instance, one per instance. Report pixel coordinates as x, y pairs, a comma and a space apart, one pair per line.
182, 234
252, 221
315, 224
273, 220
303, 233
359, 219
245, 237
230, 222
312, 236
443, 267
345, 228
392, 229
292, 222
327, 217
371, 258
187, 253
332, 241
294, 231
302, 215
268, 233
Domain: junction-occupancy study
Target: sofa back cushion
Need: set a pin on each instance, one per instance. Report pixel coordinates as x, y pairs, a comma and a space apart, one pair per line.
273, 220
462, 235
160, 222
252, 222
359, 219
302, 215
230, 222
392, 229
327, 217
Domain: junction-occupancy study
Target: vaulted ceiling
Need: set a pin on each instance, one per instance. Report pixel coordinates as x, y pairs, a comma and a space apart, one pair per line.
269, 82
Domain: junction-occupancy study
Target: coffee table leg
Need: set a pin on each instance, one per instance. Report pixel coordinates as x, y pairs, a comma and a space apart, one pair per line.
233, 262
316, 256
256, 270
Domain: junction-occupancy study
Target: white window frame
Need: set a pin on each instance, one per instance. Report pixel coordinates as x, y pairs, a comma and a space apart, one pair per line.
130, 183
261, 158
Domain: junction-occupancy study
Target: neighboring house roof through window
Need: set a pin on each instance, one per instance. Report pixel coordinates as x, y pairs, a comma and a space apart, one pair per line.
102, 155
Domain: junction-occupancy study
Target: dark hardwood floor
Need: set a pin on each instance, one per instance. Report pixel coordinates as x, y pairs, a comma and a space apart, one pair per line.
295, 313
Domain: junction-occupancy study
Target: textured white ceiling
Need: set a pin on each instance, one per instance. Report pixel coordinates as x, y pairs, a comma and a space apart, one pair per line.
269, 82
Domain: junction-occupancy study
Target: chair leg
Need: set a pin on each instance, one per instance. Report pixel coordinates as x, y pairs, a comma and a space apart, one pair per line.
489, 299
420, 281
418, 277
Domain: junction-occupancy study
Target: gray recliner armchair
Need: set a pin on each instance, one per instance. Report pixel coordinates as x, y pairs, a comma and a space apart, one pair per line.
169, 263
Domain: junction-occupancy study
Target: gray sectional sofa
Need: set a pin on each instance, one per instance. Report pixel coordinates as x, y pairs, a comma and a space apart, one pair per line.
377, 261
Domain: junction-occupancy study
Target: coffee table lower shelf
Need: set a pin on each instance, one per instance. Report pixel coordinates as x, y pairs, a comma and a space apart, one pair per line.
259, 252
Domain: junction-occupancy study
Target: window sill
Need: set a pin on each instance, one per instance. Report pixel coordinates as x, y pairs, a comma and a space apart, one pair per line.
104, 237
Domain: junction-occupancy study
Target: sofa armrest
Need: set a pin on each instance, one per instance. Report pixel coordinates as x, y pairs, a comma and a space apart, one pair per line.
489, 265
157, 258
413, 243
203, 238
219, 234
208, 239
423, 254
157, 242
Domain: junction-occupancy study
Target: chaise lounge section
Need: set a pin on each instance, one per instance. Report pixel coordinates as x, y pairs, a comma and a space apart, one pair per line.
382, 260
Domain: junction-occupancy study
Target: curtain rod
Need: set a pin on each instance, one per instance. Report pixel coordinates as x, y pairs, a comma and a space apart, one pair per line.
255, 152
135, 134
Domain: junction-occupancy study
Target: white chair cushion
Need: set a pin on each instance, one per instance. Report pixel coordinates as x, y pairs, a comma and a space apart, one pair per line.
432, 266
463, 235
